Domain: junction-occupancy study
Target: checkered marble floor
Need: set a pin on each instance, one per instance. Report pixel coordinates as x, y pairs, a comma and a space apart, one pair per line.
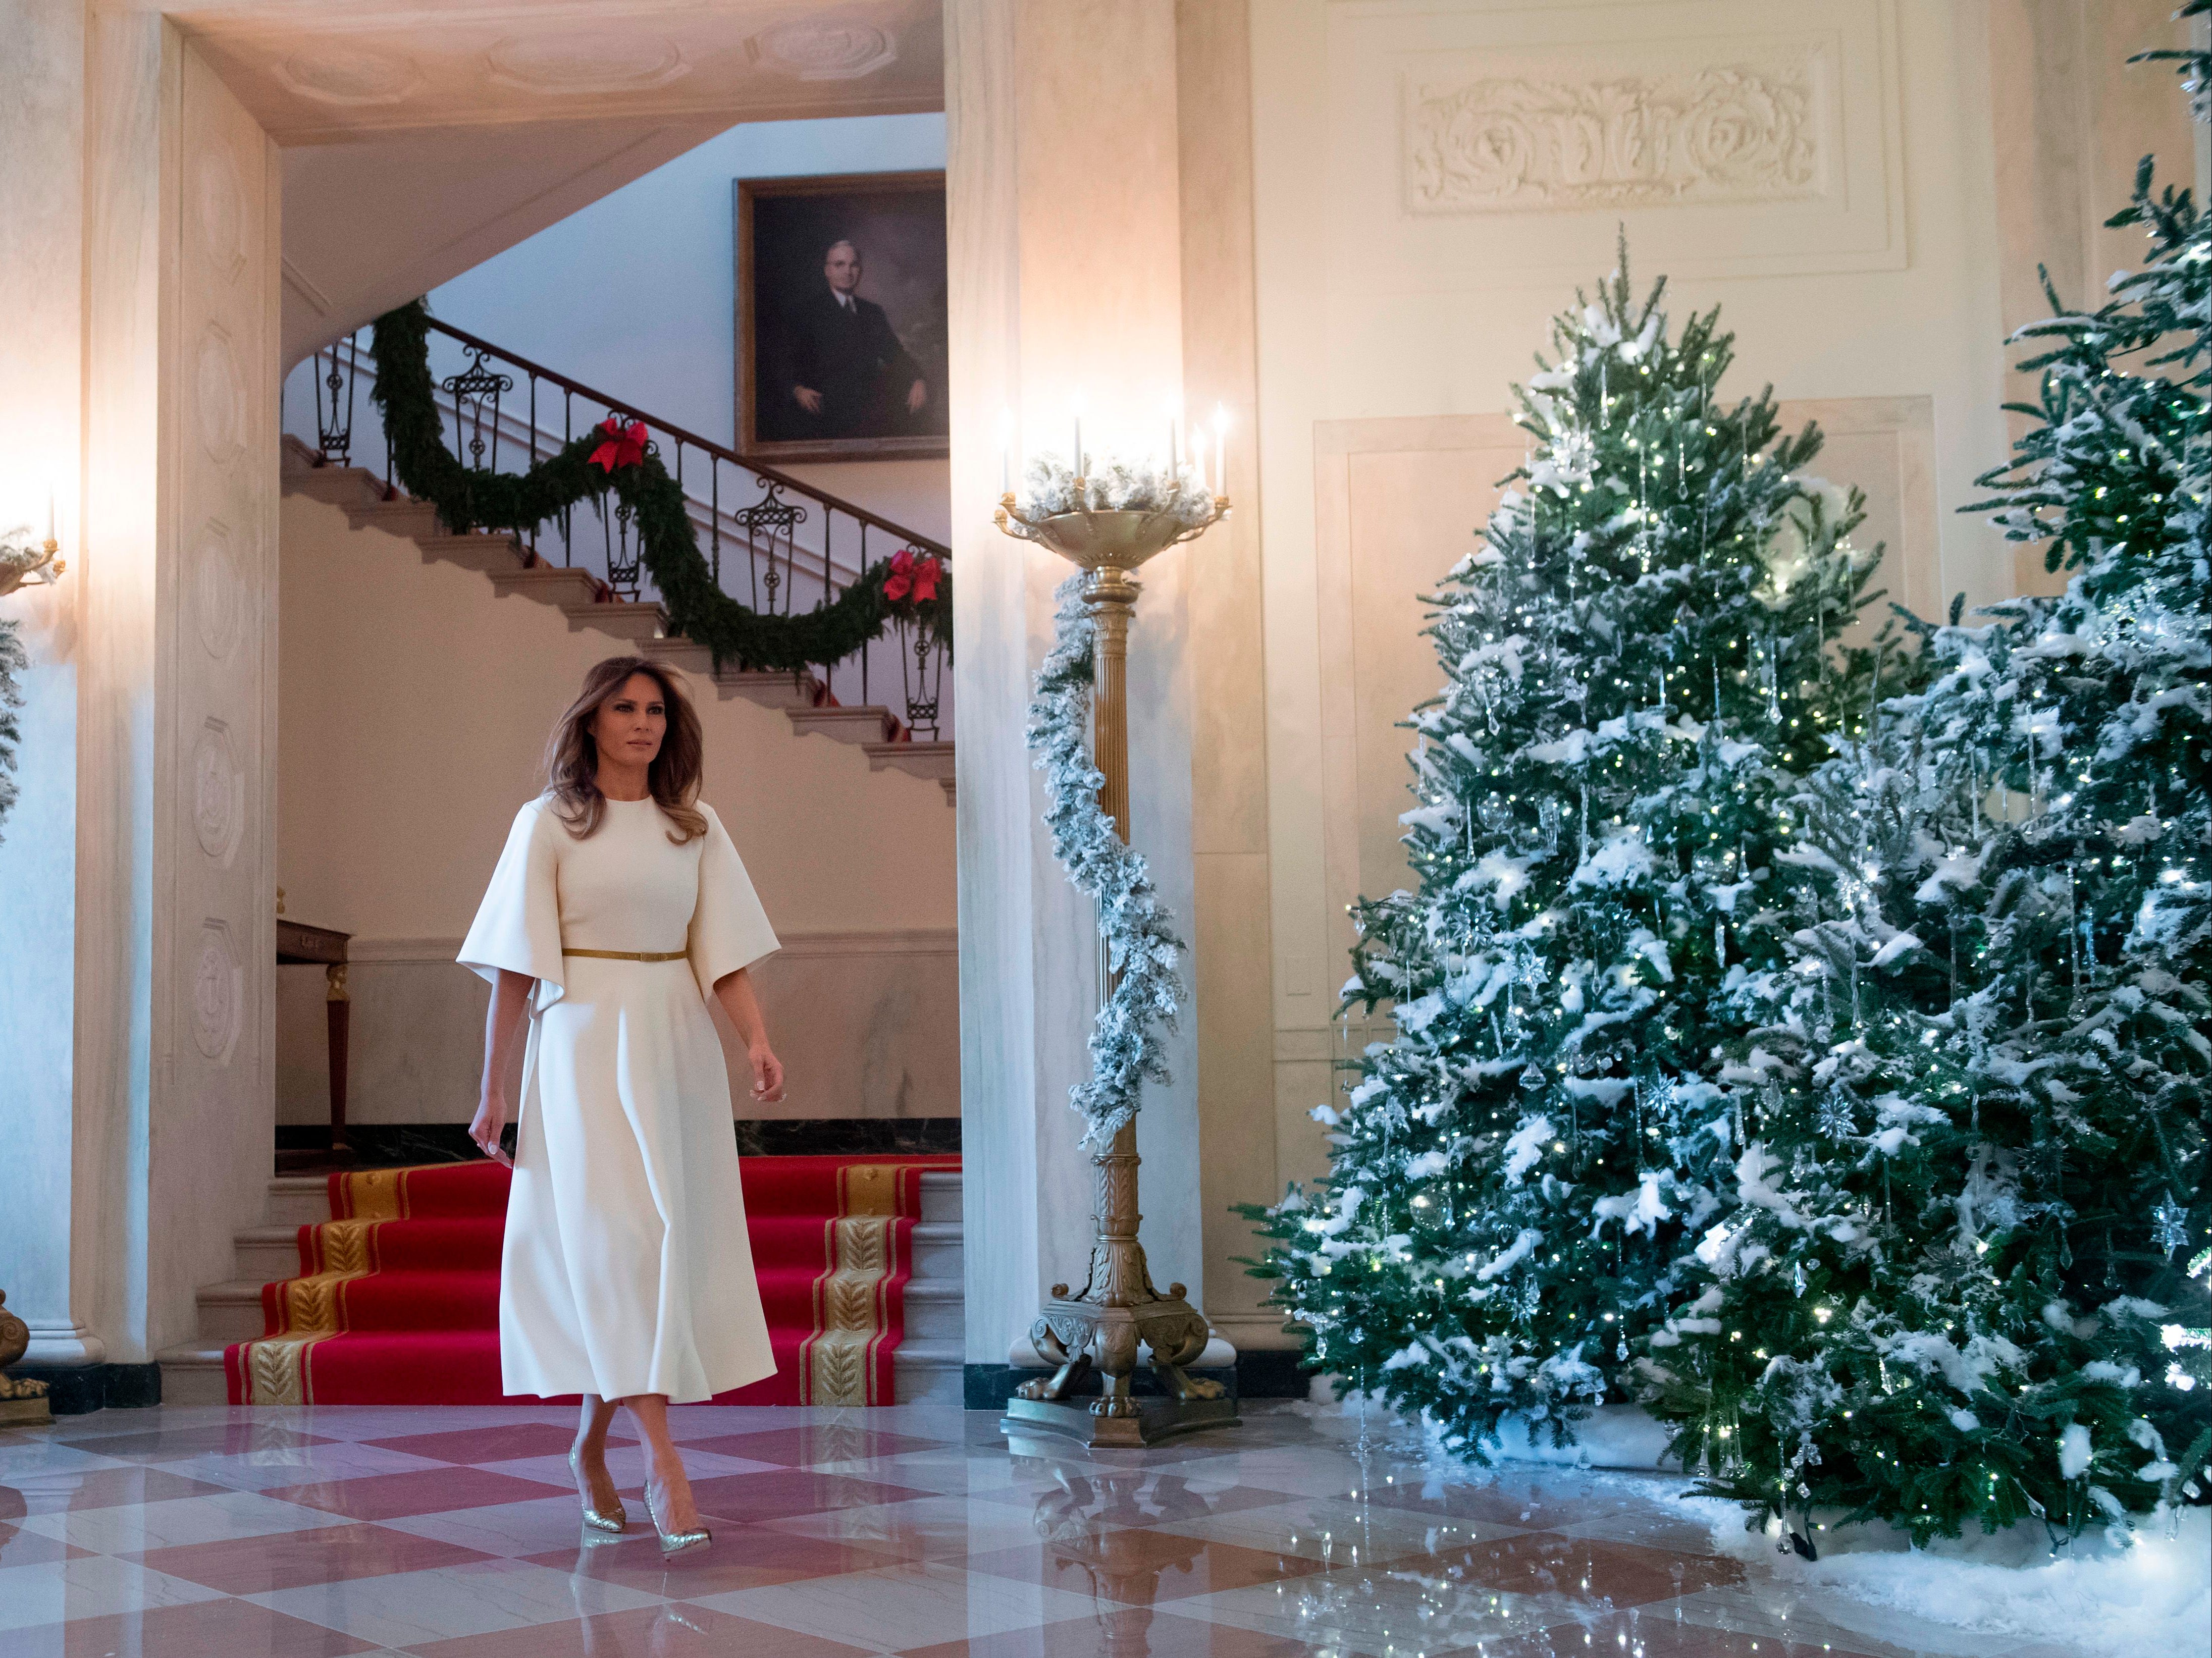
454, 1533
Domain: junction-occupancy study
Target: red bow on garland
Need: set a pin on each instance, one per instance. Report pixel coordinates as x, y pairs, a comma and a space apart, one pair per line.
912, 575
621, 448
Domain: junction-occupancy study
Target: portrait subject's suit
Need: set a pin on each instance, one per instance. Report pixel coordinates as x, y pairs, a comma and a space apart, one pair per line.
850, 354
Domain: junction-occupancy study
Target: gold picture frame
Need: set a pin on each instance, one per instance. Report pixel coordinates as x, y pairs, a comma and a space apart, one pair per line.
872, 348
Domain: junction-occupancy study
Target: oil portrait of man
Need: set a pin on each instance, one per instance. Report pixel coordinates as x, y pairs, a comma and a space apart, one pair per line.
842, 316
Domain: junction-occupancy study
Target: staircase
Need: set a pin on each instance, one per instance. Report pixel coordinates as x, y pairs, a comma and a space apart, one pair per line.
928, 1360
586, 602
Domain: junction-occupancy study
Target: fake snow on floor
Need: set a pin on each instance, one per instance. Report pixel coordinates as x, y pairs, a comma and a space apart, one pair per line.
2106, 1593
2144, 1593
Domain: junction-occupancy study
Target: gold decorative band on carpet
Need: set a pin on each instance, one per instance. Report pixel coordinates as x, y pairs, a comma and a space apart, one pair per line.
857, 1318
303, 1311
397, 1300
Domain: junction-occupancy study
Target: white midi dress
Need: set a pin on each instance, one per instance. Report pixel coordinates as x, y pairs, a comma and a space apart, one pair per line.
627, 1269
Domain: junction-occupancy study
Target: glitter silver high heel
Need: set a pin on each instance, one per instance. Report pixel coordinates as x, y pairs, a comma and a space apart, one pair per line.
673, 1542
617, 1522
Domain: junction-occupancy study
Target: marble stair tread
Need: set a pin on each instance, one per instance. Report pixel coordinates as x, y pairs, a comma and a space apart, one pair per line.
929, 1368
637, 621
298, 1200
935, 1248
193, 1374
931, 760
493, 555
677, 651
940, 1197
230, 1311
868, 722
267, 1252
549, 584
935, 1310
773, 690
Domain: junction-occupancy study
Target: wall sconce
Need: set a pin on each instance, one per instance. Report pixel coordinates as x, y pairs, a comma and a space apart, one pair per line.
29, 563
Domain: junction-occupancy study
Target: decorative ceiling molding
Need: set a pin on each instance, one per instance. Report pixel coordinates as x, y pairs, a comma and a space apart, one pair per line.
324, 72
585, 63
813, 50
350, 77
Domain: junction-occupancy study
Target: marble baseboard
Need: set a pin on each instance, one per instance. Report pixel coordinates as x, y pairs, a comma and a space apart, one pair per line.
80, 1389
806, 1137
303, 1147
1264, 1374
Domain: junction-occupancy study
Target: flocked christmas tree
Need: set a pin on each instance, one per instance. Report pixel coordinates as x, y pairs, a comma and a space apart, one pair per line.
1958, 1263
1639, 656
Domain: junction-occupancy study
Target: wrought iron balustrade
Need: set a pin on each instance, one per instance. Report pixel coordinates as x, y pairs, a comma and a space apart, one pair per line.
773, 542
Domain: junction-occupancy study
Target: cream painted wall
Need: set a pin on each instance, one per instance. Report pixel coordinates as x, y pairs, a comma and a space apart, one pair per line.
1392, 287
2072, 116
416, 704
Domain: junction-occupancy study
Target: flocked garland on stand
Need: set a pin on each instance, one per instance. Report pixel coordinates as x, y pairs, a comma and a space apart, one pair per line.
469, 498
1127, 1049
13, 660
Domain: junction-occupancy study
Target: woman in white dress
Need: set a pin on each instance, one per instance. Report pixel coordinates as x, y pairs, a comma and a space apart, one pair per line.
618, 906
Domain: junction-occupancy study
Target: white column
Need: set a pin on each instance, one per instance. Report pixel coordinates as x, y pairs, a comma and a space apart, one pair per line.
1066, 277
42, 88
145, 1107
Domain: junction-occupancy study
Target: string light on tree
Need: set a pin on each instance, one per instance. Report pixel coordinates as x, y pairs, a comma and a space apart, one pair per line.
1596, 793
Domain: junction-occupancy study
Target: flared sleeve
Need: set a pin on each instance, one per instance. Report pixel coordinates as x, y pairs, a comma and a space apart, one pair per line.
518, 925
729, 928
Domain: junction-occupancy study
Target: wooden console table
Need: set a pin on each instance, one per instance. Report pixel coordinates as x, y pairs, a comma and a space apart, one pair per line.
296, 943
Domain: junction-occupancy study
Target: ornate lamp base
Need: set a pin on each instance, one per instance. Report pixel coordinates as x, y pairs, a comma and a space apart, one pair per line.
1156, 1419
1105, 1322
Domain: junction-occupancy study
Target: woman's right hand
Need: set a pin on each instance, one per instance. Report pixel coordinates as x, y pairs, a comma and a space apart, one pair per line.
489, 1124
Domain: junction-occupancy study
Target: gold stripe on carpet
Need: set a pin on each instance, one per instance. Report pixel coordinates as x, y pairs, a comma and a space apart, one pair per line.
376, 1194
841, 1360
312, 1308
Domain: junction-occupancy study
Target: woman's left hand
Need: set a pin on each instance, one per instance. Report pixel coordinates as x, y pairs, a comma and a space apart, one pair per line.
768, 1075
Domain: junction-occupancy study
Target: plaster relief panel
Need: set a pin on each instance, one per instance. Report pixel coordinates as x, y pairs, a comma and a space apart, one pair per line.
1551, 136
219, 397
219, 200
1479, 146
348, 79
216, 598
585, 63
818, 50
218, 786
218, 993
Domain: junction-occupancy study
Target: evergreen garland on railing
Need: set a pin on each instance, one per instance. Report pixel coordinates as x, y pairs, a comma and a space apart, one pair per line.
1126, 1047
472, 497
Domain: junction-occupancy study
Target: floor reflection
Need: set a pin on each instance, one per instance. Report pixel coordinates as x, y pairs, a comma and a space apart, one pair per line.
914, 1532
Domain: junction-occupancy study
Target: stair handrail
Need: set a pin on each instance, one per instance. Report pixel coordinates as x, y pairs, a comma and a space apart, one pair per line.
909, 592
722, 451
716, 519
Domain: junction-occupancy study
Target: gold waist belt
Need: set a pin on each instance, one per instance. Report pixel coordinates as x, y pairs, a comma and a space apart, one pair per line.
630, 955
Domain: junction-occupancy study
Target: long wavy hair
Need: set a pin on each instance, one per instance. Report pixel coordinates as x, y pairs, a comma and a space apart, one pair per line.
572, 755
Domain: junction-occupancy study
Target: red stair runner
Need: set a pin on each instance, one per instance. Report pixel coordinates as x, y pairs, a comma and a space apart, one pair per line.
397, 1298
